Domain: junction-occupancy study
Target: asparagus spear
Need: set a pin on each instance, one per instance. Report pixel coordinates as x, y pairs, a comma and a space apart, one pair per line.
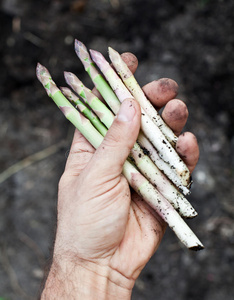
142, 161
100, 83
131, 83
138, 182
84, 109
154, 135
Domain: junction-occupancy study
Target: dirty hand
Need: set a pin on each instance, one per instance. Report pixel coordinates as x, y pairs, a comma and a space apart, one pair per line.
106, 234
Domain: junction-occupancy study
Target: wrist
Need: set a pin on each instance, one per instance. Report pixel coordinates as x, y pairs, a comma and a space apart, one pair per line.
76, 279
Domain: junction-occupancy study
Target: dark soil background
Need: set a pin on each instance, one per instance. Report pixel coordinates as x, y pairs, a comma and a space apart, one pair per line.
189, 41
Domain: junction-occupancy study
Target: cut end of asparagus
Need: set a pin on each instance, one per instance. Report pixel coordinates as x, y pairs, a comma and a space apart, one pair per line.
190, 216
197, 248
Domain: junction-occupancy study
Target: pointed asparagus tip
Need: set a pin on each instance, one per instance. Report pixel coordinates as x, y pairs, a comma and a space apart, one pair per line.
114, 55
39, 65
97, 57
68, 77
66, 92
41, 71
93, 53
63, 89
110, 50
78, 46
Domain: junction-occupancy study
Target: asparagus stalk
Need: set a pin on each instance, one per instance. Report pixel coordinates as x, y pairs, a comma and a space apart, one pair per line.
84, 109
131, 83
142, 161
138, 182
99, 82
154, 135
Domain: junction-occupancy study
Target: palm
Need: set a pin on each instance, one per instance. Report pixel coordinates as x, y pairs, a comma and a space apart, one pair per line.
111, 226
141, 238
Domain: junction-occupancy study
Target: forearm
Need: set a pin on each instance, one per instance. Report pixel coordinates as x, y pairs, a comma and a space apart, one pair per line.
71, 280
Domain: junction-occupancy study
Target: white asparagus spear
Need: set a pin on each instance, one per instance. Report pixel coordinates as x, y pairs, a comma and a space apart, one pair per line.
131, 83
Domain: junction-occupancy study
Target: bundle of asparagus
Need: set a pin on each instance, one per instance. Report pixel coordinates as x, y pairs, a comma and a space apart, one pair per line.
154, 169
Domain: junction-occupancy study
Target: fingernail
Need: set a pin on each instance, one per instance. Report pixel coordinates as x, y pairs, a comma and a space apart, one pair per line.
127, 111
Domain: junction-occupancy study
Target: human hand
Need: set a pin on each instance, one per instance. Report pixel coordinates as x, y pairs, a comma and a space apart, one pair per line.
105, 235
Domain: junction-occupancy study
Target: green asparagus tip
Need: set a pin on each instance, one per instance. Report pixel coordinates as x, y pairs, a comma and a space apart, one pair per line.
40, 70
70, 78
44, 77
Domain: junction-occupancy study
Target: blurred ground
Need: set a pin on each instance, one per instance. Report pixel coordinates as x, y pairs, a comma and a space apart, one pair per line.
189, 41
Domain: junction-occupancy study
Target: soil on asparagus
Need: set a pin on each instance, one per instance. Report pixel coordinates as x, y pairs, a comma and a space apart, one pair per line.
191, 42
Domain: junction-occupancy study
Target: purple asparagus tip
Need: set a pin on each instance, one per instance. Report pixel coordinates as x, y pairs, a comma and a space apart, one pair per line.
68, 77
95, 55
78, 46
40, 70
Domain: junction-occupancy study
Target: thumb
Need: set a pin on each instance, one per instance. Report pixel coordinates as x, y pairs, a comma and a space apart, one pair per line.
119, 140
